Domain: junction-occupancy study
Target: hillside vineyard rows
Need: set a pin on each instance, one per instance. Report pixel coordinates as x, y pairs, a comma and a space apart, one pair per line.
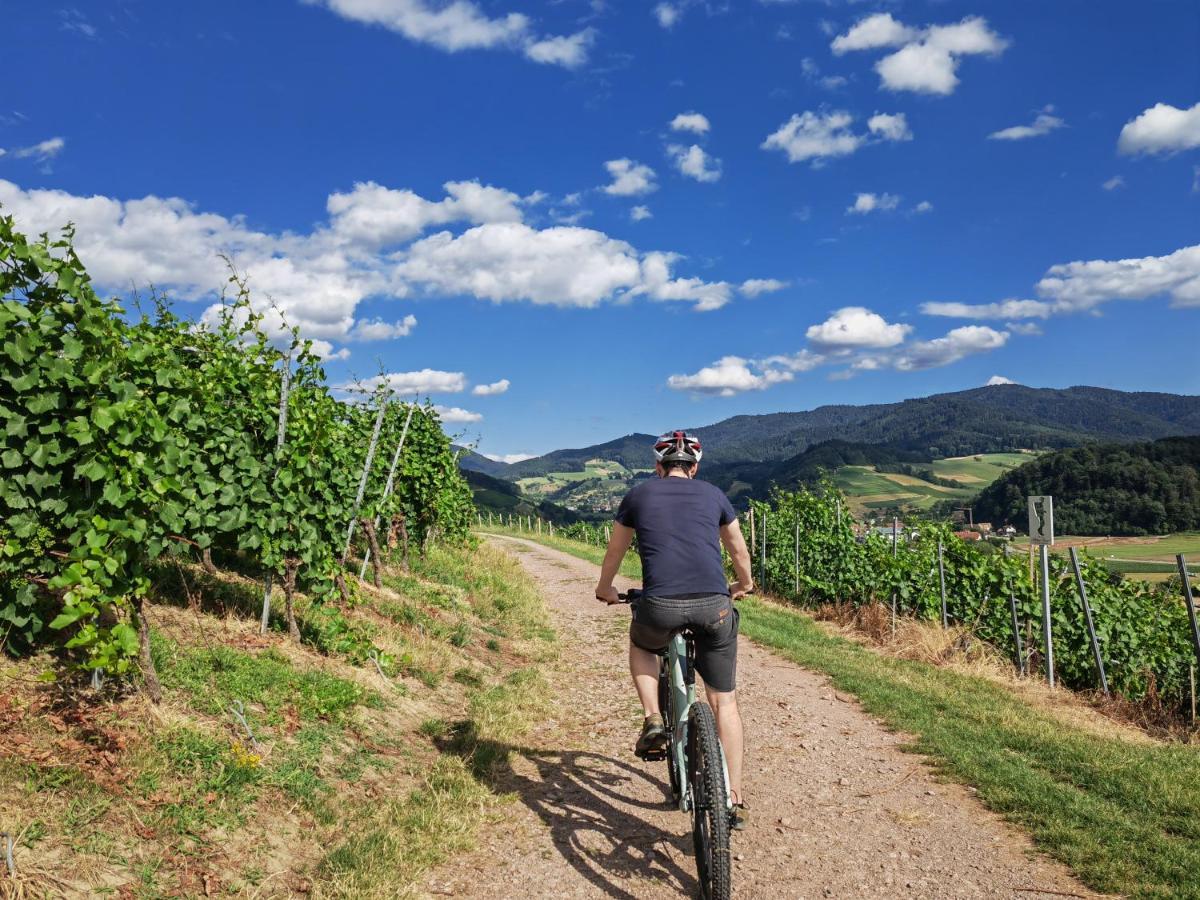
809, 551
128, 441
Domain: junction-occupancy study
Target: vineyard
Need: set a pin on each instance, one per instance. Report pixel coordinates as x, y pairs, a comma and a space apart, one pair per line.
130, 443
808, 550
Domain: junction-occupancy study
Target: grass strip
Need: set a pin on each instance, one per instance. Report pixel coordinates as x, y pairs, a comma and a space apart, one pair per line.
1124, 816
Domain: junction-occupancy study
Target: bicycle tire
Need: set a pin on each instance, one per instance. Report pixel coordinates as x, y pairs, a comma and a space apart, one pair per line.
710, 813
668, 714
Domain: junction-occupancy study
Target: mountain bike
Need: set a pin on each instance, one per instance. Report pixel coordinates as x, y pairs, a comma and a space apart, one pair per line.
695, 761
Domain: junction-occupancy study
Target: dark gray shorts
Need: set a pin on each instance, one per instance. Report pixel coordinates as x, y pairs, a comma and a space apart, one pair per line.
714, 621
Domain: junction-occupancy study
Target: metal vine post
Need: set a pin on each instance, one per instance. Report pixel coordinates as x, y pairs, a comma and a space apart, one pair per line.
280, 433
366, 472
1087, 614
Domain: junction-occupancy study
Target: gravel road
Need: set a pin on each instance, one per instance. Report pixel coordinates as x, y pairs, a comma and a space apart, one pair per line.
839, 809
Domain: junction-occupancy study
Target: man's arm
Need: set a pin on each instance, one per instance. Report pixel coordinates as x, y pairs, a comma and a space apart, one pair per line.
618, 545
731, 537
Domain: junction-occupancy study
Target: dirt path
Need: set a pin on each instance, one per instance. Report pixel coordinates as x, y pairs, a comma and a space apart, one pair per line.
838, 809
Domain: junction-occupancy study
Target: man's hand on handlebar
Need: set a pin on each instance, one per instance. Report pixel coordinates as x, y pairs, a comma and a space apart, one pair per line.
608, 595
737, 590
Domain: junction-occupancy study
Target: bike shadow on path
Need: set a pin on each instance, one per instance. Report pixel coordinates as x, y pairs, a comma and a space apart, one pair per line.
589, 803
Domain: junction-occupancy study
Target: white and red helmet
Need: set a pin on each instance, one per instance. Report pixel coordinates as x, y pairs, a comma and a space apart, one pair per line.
677, 446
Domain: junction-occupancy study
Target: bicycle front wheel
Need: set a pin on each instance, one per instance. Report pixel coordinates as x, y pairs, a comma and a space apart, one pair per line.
710, 811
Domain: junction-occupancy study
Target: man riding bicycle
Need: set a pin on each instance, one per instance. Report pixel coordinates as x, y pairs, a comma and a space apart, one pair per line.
680, 524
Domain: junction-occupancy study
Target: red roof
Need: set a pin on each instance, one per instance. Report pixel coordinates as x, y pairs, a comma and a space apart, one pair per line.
969, 535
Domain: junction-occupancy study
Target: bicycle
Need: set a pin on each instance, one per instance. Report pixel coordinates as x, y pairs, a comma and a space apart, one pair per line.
694, 751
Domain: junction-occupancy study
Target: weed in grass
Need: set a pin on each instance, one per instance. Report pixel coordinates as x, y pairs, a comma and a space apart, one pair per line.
214, 678
434, 728
466, 677
461, 636
493, 645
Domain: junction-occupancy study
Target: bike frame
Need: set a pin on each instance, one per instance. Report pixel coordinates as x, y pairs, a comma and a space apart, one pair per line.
683, 696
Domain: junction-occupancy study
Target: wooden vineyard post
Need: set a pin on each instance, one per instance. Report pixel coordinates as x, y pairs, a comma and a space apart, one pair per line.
1191, 605
942, 585
366, 472
284, 389
391, 480
1087, 615
762, 558
796, 588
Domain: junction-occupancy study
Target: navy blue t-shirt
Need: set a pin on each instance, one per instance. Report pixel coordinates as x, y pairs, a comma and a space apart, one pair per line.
677, 521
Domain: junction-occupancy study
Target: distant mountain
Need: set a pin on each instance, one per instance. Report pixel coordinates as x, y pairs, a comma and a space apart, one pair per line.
1150, 488
756, 478
502, 498
469, 460
981, 420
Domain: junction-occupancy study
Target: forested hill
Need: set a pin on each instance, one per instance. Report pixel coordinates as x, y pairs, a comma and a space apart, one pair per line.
981, 420
1119, 489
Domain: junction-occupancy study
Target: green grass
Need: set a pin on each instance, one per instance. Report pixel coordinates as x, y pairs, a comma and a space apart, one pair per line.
979, 471
867, 489
1124, 816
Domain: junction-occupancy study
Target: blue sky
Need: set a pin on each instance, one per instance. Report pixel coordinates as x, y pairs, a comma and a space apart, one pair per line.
571, 220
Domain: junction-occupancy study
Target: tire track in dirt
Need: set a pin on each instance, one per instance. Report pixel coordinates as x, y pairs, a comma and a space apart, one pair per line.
839, 810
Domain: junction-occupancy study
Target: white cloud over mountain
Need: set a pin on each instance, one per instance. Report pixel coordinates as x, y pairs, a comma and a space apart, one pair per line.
463, 25
927, 59
1084, 285
728, 376
855, 327
1161, 129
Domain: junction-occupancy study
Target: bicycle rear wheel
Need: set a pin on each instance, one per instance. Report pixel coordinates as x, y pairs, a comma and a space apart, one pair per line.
710, 813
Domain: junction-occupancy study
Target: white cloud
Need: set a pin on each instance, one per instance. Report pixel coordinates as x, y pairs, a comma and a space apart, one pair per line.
1026, 328
456, 414
957, 344
890, 127
379, 330
812, 74
928, 58
998, 379
373, 215
691, 121
638, 213
657, 283
629, 178
856, 328
865, 203
41, 151
510, 457
1083, 286
1117, 181
728, 376
1161, 129
825, 135
462, 25
424, 381
667, 14
923, 207
695, 163
490, 390
756, 287
815, 136
879, 30
1043, 124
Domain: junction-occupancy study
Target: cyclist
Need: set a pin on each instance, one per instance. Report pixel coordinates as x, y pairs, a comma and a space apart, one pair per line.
678, 521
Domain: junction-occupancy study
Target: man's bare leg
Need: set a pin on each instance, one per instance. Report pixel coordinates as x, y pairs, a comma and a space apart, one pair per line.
729, 730
643, 666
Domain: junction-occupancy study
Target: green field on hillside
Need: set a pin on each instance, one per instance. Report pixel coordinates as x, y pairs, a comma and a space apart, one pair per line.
597, 489
869, 490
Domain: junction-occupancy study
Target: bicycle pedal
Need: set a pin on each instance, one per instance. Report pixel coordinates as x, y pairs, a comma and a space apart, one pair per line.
651, 755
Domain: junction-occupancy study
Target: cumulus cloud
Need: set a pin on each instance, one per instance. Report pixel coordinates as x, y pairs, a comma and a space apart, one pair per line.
691, 121
694, 162
629, 178
1161, 129
374, 215
1113, 183
890, 127
667, 14
43, 151
462, 25
998, 379
424, 381
856, 328
638, 213
928, 58
826, 135
756, 287
1043, 124
658, 283
957, 344
728, 376
379, 330
490, 390
1085, 285
923, 207
865, 203
456, 414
